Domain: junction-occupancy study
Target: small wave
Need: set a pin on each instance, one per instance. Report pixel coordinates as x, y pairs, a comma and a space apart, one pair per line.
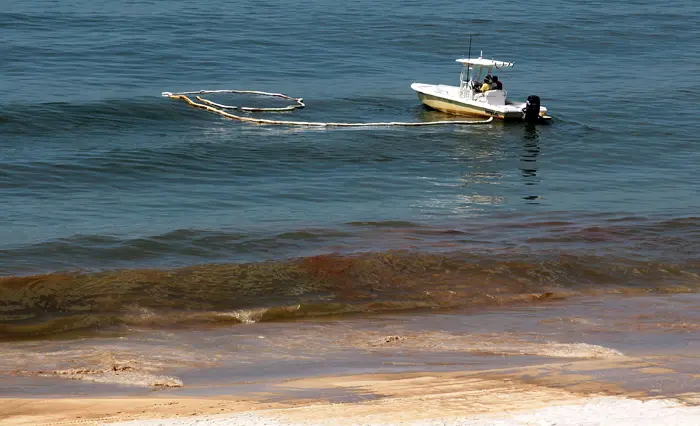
56, 117
42, 305
112, 167
185, 246
673, 241
386, 224
503, 344
125, 375
551, 349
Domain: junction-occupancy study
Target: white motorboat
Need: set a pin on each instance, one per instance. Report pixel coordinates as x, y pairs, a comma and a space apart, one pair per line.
469, 99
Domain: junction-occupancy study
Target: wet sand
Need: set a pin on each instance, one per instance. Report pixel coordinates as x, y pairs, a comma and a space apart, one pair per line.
383, 369
399, 398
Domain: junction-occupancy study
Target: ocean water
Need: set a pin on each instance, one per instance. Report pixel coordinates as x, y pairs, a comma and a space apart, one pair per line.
123, 208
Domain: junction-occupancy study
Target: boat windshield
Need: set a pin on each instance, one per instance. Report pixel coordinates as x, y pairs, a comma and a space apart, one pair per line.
474, 73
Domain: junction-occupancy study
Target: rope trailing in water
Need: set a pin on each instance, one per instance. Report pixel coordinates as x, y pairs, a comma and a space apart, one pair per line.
217, 108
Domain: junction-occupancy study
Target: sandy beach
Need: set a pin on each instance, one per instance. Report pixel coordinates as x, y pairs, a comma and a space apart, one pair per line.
602, 411
581, 385
498, 397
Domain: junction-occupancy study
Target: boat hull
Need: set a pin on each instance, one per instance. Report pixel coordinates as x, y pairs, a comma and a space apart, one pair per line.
490, 104
461, 108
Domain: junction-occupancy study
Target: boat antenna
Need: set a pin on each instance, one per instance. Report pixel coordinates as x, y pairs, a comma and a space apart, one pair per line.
469, 56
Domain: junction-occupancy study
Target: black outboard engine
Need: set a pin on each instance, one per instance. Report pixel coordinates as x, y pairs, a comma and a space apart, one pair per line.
531, 112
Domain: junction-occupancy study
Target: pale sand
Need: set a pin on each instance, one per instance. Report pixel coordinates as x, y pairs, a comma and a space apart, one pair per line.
562, 394
600, 411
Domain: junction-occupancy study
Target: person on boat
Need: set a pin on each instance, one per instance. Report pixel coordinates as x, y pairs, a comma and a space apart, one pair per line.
487, 84
496, 83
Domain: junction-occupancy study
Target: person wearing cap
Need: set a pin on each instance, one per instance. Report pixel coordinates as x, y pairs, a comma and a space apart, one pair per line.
487, 84
496, 83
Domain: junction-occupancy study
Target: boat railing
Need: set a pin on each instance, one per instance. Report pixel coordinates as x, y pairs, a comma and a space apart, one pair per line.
463, 89
467, 90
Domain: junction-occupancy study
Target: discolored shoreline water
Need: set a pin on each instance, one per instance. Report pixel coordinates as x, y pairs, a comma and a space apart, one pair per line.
625, 255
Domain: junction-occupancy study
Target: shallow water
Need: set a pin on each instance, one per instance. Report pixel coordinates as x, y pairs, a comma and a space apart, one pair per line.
641, 344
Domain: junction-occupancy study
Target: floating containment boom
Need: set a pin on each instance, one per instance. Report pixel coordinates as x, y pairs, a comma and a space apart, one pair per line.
222, 110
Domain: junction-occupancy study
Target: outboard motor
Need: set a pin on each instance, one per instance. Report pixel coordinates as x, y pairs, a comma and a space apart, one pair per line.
531, 112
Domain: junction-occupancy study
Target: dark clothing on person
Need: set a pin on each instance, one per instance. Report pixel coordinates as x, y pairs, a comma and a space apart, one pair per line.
496, 83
